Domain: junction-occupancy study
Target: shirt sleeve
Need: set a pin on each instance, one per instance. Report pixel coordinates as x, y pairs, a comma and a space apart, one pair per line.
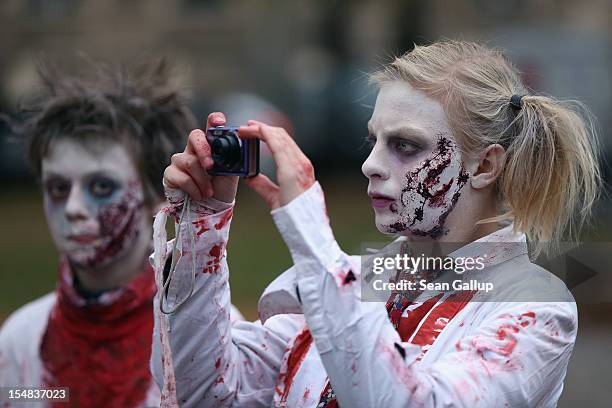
517, 356
9, 367
200, 358
15, 366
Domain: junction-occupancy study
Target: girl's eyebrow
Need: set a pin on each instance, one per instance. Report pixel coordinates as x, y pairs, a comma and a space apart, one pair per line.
402, 131
399, 130
407, 131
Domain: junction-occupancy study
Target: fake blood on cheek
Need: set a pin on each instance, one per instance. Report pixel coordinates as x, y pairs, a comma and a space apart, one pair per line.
438, 198
439, 163
119, 225
423, 183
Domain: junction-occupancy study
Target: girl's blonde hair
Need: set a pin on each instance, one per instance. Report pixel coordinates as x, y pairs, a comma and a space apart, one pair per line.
551, 176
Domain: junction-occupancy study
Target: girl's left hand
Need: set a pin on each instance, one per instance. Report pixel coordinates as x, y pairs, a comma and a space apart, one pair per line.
294, 170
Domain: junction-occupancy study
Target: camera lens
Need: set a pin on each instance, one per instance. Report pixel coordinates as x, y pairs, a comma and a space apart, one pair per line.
226, 150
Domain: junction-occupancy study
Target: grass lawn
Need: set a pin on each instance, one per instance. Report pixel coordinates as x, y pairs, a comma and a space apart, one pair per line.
256, 253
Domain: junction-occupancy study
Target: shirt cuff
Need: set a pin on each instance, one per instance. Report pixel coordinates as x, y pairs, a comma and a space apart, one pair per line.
304, 226
213, 204
210, 205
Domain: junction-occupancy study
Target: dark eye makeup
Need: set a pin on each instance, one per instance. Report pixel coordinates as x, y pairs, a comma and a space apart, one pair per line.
57, 188
404, 146
101, 186
398, 144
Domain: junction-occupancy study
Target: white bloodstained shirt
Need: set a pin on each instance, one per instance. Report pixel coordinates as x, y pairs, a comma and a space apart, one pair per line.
318, 344
21, 342
20, 355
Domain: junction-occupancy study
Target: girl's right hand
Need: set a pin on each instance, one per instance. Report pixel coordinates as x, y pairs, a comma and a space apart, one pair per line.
187, 170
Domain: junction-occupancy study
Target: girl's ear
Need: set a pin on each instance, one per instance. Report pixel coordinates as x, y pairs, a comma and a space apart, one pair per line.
489, 166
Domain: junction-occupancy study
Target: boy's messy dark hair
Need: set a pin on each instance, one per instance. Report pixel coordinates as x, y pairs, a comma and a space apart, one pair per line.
138, 107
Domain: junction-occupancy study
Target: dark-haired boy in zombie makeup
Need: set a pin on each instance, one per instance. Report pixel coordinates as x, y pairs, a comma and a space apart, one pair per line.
99, 147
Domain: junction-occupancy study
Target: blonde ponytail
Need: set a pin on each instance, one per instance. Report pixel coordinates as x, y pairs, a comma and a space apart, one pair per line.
551, 177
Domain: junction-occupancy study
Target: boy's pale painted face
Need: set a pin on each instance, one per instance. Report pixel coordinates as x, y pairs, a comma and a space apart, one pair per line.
93, 200
415, 169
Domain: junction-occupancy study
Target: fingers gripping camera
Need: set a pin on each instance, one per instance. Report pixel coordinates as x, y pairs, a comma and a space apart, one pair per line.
232, 156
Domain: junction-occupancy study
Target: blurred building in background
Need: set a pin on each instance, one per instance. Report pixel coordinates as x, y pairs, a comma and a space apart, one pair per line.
309, 58
301, 64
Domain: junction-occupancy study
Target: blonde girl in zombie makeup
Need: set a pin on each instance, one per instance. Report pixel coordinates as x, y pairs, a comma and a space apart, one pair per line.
99, 146
458, 146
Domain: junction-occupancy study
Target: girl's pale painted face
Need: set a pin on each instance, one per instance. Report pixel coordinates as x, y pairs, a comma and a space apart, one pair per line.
415, 169
93, 201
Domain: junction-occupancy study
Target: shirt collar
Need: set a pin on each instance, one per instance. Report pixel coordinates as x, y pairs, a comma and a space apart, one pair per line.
281, 295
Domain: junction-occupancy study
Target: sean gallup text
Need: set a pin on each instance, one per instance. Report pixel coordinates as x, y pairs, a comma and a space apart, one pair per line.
424, 285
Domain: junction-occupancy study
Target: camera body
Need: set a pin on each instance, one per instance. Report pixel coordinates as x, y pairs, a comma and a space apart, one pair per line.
232, 156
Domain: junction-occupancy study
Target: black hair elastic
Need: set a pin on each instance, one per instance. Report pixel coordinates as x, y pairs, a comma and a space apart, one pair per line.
516, 101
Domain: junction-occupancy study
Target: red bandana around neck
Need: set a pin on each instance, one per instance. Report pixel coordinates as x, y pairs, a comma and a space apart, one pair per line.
100, 349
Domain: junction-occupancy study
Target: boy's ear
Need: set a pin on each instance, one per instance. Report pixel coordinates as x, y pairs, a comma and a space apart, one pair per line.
489, 165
